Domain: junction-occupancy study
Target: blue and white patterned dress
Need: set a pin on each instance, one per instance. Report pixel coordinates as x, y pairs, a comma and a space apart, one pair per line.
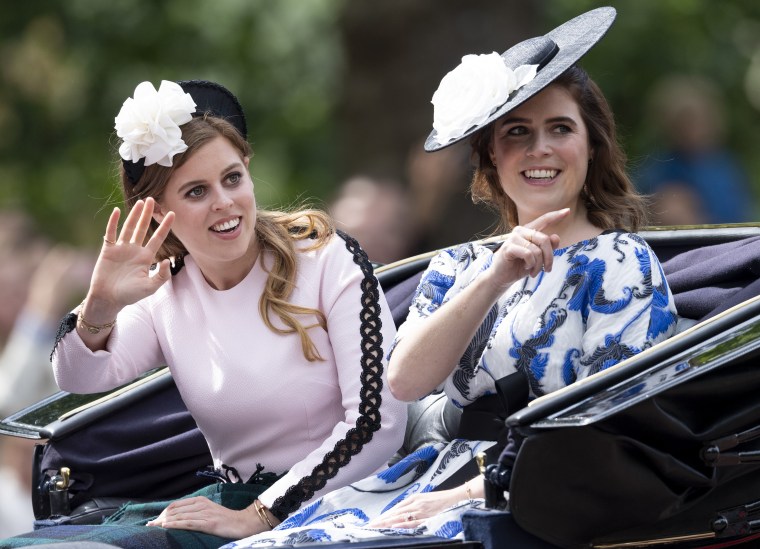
343, 515
605, 300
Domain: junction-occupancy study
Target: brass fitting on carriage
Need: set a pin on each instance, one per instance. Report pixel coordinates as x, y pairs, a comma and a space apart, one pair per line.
58, 492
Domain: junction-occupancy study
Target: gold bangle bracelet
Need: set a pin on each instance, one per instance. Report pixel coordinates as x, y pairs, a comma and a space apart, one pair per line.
92, 328
261, 510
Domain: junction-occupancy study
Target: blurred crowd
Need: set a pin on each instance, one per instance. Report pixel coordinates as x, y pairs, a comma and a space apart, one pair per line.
431, 208
692, 175
39, 282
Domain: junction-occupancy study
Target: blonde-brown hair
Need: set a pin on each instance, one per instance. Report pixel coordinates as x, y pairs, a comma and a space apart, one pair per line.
609, 195
277, 232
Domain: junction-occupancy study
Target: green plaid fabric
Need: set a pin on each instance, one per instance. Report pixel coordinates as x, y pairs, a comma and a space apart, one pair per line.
126, 529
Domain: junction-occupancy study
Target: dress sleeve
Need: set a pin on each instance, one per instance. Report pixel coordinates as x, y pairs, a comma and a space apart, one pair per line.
435, 287
629, 307
77, 369
448, 273
360, 327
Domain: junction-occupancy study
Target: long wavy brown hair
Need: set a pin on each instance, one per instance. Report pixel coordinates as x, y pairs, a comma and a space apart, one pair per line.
609, 195
277, 231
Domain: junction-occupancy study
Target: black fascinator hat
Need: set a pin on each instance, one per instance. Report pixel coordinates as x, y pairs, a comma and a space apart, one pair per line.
480, 90
215, 99
149, 123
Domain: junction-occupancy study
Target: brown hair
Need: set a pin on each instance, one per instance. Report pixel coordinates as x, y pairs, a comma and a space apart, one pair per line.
276, 231
609, 195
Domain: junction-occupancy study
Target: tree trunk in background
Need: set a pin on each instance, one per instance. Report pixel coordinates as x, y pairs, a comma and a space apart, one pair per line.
397, 51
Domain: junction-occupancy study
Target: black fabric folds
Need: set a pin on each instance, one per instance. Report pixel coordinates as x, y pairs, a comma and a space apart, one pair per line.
706, 281
150, 451
640, 474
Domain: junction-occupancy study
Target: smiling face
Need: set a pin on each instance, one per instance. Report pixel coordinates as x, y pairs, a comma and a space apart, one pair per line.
211, 194
541, 151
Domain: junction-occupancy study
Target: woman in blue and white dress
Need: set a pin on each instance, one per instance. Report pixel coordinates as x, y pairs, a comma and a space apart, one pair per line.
571, 291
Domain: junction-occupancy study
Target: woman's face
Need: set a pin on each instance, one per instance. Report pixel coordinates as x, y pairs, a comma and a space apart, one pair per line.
212, 197
541, 151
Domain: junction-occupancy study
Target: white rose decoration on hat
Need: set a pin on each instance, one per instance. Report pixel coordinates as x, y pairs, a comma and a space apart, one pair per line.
149, 123
470, 93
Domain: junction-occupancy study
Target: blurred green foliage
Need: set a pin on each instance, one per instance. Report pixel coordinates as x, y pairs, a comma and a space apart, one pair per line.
654, 39
67, 66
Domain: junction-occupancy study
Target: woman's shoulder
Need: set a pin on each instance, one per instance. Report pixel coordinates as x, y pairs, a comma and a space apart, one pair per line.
620, 251
463, 256
623, 235
610, 242
618, 254
336, 242
338, 250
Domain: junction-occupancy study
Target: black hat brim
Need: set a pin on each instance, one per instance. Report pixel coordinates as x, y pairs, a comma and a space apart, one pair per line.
555, 52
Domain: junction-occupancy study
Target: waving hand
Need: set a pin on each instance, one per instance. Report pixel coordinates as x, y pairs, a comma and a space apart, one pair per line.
122, 273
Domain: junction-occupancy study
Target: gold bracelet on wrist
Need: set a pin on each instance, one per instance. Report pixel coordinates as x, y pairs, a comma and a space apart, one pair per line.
261, 510
92, 328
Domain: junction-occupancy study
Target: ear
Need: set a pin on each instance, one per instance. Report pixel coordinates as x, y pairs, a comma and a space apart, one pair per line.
247, 162
158, 213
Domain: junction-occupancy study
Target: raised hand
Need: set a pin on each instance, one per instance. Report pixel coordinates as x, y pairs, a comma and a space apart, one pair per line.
122, 273
527, 249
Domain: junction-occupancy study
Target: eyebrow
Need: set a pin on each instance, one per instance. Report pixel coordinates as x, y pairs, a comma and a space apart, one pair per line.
553, 120
182, 188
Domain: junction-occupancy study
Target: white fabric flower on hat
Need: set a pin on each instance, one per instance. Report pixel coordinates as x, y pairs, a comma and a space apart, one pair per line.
472, 92
149, 123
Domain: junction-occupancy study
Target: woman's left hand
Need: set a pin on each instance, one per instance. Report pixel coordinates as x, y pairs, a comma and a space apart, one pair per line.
203, 515
418, 507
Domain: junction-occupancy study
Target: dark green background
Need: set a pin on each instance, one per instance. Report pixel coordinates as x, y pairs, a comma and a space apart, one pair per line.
331, 87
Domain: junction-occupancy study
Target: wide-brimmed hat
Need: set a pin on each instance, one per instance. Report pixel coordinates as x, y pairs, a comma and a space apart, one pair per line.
481, 90
149, 123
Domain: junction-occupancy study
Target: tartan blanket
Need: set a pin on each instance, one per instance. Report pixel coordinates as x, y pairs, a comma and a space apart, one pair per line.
126, 529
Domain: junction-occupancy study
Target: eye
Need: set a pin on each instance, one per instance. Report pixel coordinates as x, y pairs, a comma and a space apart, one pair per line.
196, 192
517, 130
563, 128
234, 178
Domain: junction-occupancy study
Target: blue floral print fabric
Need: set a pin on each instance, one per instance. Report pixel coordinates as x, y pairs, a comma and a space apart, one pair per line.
605, 299
343, 515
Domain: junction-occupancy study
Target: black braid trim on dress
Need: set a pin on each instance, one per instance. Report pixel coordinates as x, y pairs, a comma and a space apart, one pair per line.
68, 324
369, 408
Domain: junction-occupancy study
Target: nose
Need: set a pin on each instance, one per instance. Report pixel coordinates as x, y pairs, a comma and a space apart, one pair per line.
540, 145
222, 200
